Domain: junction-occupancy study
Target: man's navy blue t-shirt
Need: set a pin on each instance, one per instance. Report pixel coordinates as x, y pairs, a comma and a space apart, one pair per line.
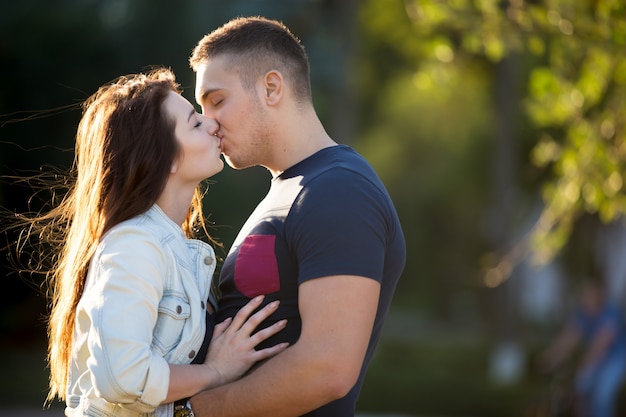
328, 215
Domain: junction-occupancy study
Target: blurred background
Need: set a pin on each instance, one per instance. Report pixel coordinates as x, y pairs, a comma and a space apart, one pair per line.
497, 126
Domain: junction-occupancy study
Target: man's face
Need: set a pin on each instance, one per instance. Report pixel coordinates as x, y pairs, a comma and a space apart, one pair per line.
239, 113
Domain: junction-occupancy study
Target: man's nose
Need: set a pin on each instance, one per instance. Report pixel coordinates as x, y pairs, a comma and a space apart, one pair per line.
206, 111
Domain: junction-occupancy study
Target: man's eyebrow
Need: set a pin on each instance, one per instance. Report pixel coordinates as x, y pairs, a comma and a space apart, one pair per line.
191, 113
205, 93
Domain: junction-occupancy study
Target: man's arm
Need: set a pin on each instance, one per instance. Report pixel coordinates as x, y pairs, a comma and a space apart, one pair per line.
323, 365
599, 346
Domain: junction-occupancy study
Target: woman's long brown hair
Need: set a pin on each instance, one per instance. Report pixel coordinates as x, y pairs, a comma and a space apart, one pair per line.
125, 146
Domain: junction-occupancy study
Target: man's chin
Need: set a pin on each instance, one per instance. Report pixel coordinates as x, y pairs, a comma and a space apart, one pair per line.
234, 164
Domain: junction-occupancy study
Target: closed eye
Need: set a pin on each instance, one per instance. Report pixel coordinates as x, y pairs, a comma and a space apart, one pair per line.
216, 100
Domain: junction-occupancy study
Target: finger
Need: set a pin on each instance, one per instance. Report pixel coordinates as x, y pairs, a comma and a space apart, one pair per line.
269, 331
221, 327
257, 318
245, 312
270, 351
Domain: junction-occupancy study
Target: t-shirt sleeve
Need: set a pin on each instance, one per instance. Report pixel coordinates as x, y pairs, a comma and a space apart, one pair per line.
338, 226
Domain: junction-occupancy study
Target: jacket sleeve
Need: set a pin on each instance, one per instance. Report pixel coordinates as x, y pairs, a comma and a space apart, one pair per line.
126, 285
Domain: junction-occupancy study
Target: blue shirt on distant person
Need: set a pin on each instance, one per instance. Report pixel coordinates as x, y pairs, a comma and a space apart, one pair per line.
598, 384
610, 315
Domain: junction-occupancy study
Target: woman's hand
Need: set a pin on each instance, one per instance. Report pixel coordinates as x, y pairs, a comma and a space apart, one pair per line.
232, 348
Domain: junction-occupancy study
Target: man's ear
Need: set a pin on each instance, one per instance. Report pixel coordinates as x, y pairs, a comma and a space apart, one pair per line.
273, 84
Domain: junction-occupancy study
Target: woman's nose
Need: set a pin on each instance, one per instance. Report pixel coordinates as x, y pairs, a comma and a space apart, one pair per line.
211, 124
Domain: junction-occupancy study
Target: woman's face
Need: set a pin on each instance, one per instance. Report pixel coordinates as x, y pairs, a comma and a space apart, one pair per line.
200, 150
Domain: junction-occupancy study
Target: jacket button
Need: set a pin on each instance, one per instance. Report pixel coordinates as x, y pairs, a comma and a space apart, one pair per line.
179, 309
202, 304
192, 354
208, 260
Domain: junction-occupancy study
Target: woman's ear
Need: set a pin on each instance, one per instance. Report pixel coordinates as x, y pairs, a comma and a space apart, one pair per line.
273, 87
174, 168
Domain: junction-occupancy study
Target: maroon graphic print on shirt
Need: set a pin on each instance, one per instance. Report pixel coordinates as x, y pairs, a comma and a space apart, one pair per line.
256, 269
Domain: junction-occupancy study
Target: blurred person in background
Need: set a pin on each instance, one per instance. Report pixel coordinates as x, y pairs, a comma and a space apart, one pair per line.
131, 316
595, 337
326, 240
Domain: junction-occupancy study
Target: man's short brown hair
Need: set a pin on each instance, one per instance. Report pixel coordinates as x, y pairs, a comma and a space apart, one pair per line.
254, 46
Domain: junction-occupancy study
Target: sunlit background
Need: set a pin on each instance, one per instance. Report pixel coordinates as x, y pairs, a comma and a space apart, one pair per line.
497, 126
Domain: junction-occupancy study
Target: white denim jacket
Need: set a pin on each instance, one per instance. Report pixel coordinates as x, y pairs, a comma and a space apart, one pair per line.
144, 306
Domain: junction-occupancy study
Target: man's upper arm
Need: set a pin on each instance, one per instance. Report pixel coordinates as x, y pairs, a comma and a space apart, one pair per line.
337, 319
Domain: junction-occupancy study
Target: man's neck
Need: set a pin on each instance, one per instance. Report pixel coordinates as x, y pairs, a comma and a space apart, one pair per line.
301, 139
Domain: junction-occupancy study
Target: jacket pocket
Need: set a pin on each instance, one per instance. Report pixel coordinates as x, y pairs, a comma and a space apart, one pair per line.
173, 312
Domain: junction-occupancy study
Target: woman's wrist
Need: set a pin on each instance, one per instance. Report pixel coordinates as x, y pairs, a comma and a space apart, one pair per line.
214, 377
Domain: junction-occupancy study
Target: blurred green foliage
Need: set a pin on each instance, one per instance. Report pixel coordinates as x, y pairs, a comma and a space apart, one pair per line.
569, 97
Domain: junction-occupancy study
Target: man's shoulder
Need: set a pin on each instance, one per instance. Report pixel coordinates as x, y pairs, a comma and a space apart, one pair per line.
342, 165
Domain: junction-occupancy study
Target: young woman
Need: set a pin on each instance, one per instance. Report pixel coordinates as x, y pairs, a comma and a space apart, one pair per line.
131, 316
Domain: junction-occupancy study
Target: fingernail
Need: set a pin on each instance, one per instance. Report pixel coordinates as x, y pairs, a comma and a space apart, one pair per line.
258, 298
274, 304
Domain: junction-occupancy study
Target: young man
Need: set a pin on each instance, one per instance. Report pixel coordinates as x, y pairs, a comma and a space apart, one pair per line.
325, 241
